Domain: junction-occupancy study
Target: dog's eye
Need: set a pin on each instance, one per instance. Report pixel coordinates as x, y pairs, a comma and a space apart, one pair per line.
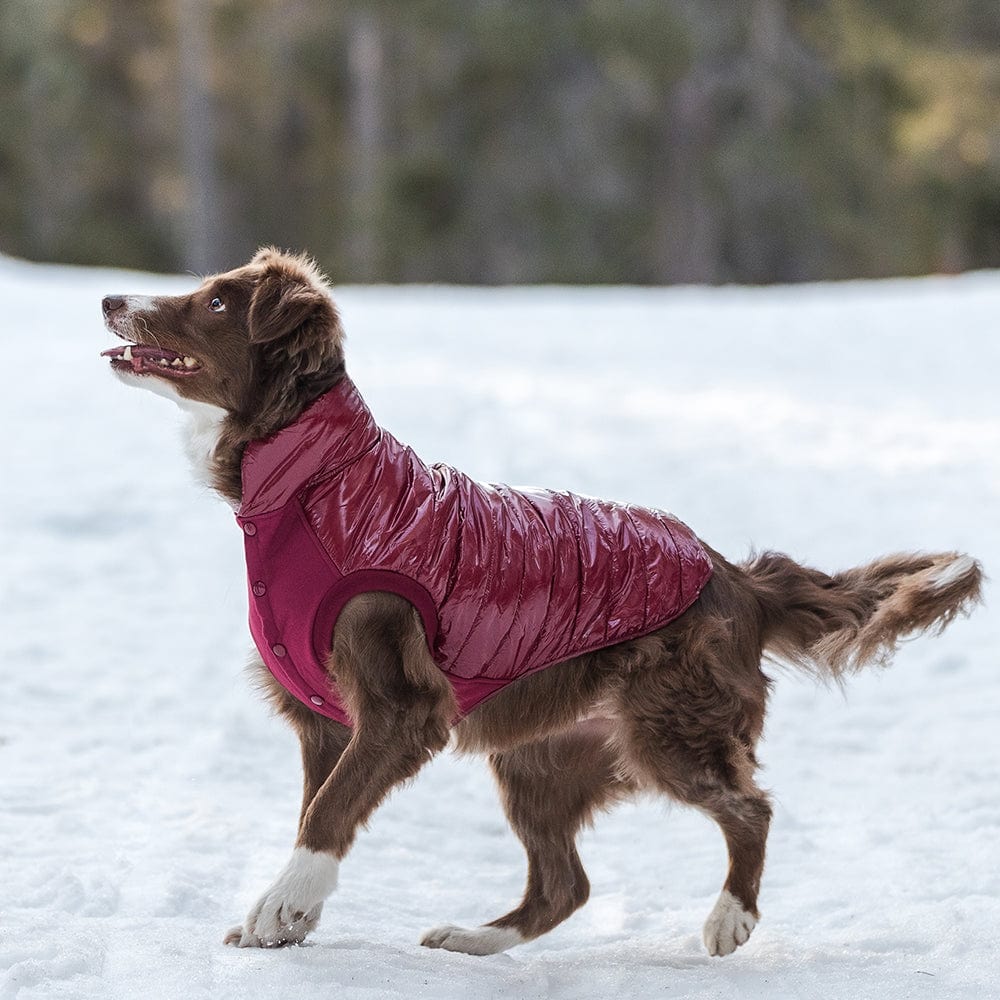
217, 305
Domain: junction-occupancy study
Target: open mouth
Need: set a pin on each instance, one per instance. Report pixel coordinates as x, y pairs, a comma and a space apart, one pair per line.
142, 360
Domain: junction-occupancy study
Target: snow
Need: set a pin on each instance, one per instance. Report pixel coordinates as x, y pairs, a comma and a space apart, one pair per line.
147, 798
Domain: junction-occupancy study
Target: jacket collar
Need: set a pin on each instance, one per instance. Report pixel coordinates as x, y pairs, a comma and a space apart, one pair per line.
334, 431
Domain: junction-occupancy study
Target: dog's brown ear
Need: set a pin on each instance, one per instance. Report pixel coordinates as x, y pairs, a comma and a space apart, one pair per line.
289, 294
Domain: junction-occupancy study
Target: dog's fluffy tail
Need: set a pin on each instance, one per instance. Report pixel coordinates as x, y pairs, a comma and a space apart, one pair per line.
835, 625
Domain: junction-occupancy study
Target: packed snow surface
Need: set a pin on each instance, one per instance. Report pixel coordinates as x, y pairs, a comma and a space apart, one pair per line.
147, 797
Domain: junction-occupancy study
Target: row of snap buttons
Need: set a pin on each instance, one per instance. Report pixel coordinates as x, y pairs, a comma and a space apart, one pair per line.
260, 589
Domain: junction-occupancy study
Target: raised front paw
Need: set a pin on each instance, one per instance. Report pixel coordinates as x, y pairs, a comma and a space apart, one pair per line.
291, 908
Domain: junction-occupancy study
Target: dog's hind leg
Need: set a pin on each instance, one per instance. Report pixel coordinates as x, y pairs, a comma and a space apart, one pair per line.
402, 706
743, 813
550, 788
689, 729
724, 790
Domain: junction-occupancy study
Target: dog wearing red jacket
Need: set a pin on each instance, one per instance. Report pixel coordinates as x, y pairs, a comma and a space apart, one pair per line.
593, 650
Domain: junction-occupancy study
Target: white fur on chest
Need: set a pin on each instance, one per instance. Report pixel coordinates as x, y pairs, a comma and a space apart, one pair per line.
201, 436
202, 429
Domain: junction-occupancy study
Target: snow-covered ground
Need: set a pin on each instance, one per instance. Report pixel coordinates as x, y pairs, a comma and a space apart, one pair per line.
146, 796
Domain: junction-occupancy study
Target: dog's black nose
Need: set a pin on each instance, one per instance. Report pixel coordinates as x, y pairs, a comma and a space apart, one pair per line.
112, 303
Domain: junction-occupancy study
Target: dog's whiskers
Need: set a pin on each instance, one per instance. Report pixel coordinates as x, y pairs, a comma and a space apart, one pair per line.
142, 322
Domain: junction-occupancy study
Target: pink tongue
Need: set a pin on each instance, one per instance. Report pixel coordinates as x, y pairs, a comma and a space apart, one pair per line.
152, 354
146, 358
142, 357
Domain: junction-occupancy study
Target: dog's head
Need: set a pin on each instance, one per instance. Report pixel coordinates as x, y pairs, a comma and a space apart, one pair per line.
259, 342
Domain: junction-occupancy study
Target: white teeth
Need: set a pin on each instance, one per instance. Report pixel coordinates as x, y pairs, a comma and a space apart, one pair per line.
189, 362
127, 353
164, 363
176, 363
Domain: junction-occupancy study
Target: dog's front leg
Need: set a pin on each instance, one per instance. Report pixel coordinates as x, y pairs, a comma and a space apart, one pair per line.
323, 743
403, 707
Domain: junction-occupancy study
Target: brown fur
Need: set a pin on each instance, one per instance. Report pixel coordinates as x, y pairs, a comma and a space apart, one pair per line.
679, 711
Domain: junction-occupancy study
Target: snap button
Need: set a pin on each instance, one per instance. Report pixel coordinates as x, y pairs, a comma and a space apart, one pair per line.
278, 649
316, 699
250, 528
259, 588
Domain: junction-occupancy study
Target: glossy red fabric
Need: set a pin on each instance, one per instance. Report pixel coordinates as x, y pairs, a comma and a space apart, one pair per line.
507, 581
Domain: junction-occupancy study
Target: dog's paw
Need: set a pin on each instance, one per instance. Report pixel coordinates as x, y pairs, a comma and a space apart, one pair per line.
478, 941
289, 928
728, 925
291, 908
234, 936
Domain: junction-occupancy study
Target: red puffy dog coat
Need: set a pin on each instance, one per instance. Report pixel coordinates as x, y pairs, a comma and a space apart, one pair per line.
506, 581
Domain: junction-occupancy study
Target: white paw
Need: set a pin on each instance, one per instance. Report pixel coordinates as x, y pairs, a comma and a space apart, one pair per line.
291, 908
478, 941
728, 925
257, 935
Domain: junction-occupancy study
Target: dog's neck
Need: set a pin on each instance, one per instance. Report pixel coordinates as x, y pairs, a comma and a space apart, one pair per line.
204, 435
216, 438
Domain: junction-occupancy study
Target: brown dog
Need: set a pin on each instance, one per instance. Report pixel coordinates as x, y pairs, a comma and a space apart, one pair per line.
678, 710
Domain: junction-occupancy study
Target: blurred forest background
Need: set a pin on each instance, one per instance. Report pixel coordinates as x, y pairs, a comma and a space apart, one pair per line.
497, 141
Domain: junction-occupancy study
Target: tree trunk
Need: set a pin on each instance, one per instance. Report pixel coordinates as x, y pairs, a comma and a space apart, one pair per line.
203, 246
685, 216
366, 115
